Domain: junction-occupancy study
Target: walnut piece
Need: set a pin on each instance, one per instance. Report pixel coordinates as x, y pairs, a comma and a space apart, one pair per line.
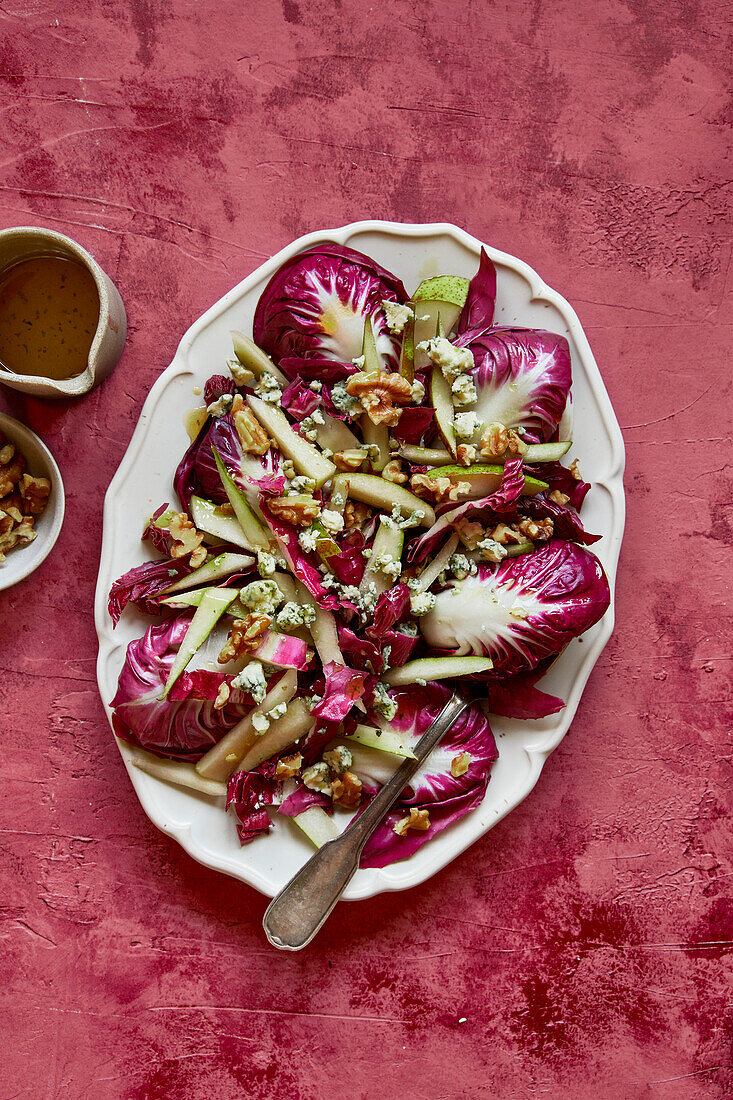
494, 440
438, 489
252, 436
10, 474
288, 766
297, 509
245, 637
505, 535
349, 460
539, 530
416, 819
198, 557
379, 393
346, 790
460, 764
185, 537
394, 471
355, 514
222, 697
573, 467
466, 454
35, 492
7, 450
558, 497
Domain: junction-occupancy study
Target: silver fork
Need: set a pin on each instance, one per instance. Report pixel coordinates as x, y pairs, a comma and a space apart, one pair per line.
302, 907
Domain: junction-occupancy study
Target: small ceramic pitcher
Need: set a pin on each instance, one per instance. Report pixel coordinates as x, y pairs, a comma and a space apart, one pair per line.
22, 243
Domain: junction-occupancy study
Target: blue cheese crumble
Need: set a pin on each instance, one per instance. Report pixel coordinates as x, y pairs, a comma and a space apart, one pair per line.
252, 680
344, 401
463, 390
295, 614
309, 425
221, 406
491, 550
421, 603
397, 316
466, 425
332, 521
268, 388
382, 703
452, 361
262, 597
265, 563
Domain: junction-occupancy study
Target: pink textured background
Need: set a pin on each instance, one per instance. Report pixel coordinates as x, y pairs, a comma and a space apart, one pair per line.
587, 939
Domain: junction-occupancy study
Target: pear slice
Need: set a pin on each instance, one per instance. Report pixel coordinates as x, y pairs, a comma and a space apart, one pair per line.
335, 435
483, 480
305, 457
223, 565
294, 723
433, 456
378, 436
380, 493
252, 528
407, 351
452, 289
385, 740
442, 402
255, 359
436, 668
173, 771
224, 757
388, 542
214, 603
426, 456
372, 358
316, 824
207, 517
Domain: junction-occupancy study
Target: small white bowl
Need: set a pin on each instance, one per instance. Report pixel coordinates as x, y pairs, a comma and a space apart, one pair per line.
20, 562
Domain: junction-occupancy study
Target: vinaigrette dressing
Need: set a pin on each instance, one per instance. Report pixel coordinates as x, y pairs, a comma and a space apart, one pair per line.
49, 310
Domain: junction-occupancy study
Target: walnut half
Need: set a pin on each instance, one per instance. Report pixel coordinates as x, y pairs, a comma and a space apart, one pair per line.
379, 392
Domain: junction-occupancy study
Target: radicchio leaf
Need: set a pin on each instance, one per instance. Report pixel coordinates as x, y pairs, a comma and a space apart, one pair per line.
316, 303
182, 730
478, 309
522, 378
142, 584
298, 400
521, 611
247, 795
343, 687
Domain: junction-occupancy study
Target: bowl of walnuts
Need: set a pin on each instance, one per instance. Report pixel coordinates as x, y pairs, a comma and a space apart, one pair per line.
31, 501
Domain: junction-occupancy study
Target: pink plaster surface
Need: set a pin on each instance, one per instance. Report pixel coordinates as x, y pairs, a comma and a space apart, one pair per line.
587, 940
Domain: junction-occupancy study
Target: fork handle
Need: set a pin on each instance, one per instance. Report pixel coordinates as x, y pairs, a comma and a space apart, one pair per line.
302, 907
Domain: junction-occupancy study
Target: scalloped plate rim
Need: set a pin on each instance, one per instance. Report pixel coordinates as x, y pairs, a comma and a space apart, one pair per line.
402, 875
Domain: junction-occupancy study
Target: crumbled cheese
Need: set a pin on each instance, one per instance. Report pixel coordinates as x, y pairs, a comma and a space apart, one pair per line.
339, 759
386, 654
332, 521
220, 407
261, 596
309, 425
295, 614
382, 703
424, 317
252, 680
397, 316
460, 566
241, 376
410, 629
359, 361
344, 401
268, 388
490, 550
265, 563
308, 539
287, 467
421, 603
421, 682
338, 500
417, 392
301, 485
277, 712
413, 583
315, 385
463, 390
260, 723
396, 519
466, 425
318, 777
451, 360
389, 565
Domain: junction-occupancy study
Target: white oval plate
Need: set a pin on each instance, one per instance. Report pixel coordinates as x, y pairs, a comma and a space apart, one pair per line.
145, 479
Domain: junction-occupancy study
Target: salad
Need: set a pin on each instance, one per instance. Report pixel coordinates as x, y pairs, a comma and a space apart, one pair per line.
372, 512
